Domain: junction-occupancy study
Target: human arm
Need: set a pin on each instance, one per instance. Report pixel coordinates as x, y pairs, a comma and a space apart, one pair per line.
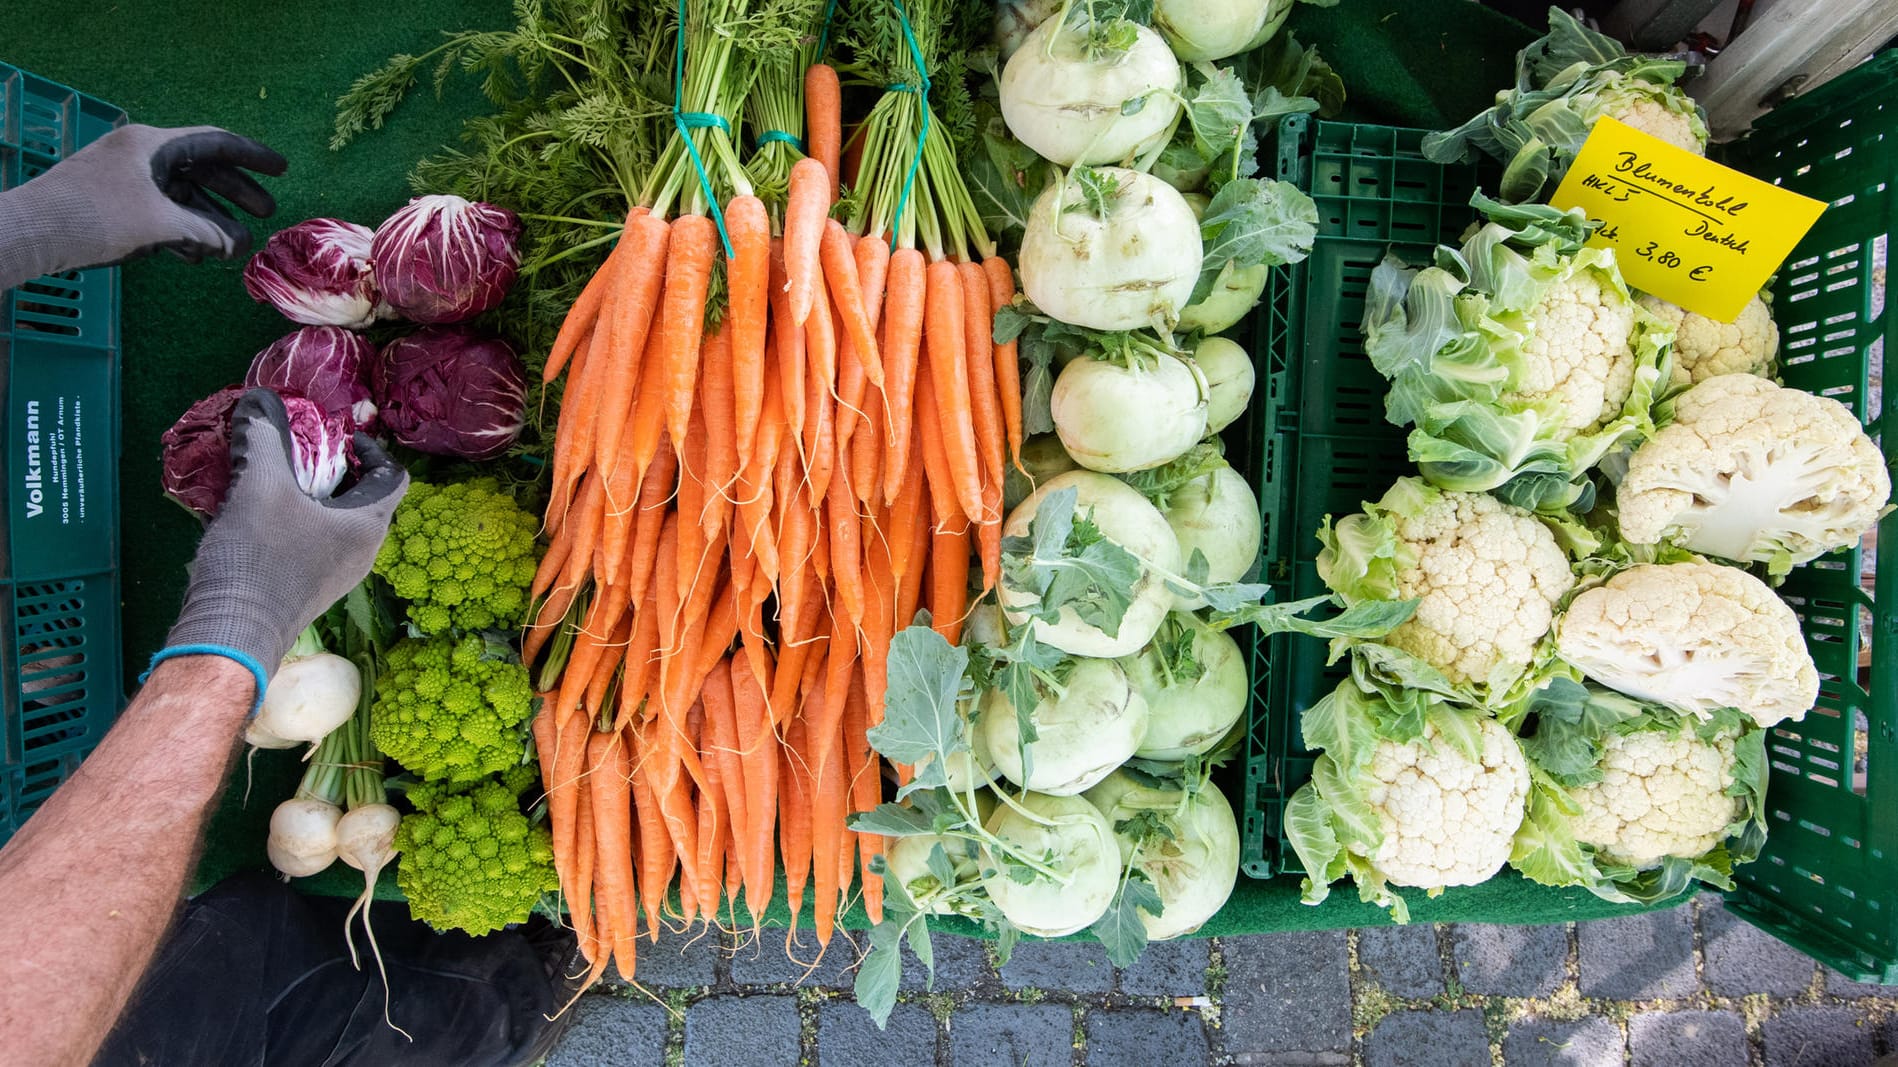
133, 191
91, 882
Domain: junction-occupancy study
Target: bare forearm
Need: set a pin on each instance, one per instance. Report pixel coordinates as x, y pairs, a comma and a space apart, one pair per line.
93, 880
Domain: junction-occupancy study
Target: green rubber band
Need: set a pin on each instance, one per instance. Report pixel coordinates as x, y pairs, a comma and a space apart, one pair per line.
686, 122
922, 96
791, 139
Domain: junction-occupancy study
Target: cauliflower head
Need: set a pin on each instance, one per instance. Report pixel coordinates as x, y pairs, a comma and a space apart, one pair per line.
1578, 360
1705, 348
1486, 577
462, 555
1660, 111
1661, 793
1753, 471
470, 860
1423, 793
452, 709
1693, 636
1448, 819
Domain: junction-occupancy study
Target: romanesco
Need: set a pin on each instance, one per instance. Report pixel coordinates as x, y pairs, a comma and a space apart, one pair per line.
451, 709
470, 860
462, 555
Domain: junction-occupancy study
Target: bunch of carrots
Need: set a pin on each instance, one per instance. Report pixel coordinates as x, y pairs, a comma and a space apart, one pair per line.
780, 437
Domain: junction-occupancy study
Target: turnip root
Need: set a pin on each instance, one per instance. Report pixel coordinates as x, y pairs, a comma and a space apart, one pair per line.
1126, 518
1129, 257
1194, 869
309, 697
1084, 731
1080, 843
1194, 699
1074, 101
1116, 418
1216, 514
302, 833
1229, 380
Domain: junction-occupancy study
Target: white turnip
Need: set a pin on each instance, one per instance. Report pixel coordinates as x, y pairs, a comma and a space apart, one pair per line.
1079, 842
1074, 100
1126, 258
1118, 418
1084, 731
303, 835
1229, 380
1193, 699
309, 697
1126, 518
1194, 869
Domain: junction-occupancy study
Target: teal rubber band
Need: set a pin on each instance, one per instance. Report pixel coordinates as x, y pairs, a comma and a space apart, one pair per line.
921, 89
791, 139
823, 37
686, 122
242, 659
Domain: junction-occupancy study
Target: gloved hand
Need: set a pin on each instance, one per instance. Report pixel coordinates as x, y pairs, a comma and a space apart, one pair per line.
274, 558
135, 190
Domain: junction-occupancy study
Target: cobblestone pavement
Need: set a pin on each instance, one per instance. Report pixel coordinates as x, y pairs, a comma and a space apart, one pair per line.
1691, 987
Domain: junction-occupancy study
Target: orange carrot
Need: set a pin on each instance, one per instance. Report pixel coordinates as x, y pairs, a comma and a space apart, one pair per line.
823, 120
942, 490
949, 580
655, 488
716, 399
585, 309
656, 853
903, 312
847, 296
758, 753
722, 748
865, 784
978, 323
1007, 356
820, 408
873, 272
634, 302
642, 650
944, 333
794, 815
788, 349
910, 511
846, 549
580, 901
648, 416
610, 789
805, 210
688, 277
748, 280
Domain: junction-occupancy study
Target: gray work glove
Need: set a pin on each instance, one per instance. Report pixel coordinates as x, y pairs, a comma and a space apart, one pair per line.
274, 558
133, 191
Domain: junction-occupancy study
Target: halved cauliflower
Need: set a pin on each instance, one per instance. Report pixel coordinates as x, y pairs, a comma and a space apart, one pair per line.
1662, 793
1693, 636
1705, 348
1486, 576
1752, 471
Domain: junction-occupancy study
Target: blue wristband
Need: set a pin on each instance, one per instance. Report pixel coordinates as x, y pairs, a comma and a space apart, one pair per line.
242, 659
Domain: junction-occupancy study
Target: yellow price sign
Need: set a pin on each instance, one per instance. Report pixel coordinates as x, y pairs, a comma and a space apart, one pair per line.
1683, 227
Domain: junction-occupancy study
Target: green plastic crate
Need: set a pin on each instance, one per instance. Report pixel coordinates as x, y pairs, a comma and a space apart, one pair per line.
59, 577
1825, 882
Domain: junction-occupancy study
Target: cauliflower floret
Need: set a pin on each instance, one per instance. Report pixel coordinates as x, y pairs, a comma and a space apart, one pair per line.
1695, 637
1682, 129
470, 860
1705, 348
462, 555
1753, 471
1662, 793
1446, 819
1578, 357
1486, 575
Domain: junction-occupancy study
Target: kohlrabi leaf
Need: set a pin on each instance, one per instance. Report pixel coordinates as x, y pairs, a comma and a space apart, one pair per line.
1098, 191
1217, 111
894, 820
1373, 618
880, 972
1004, 179
921, 726
1252, 221
1158, 484
1066, 564
1120, 928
